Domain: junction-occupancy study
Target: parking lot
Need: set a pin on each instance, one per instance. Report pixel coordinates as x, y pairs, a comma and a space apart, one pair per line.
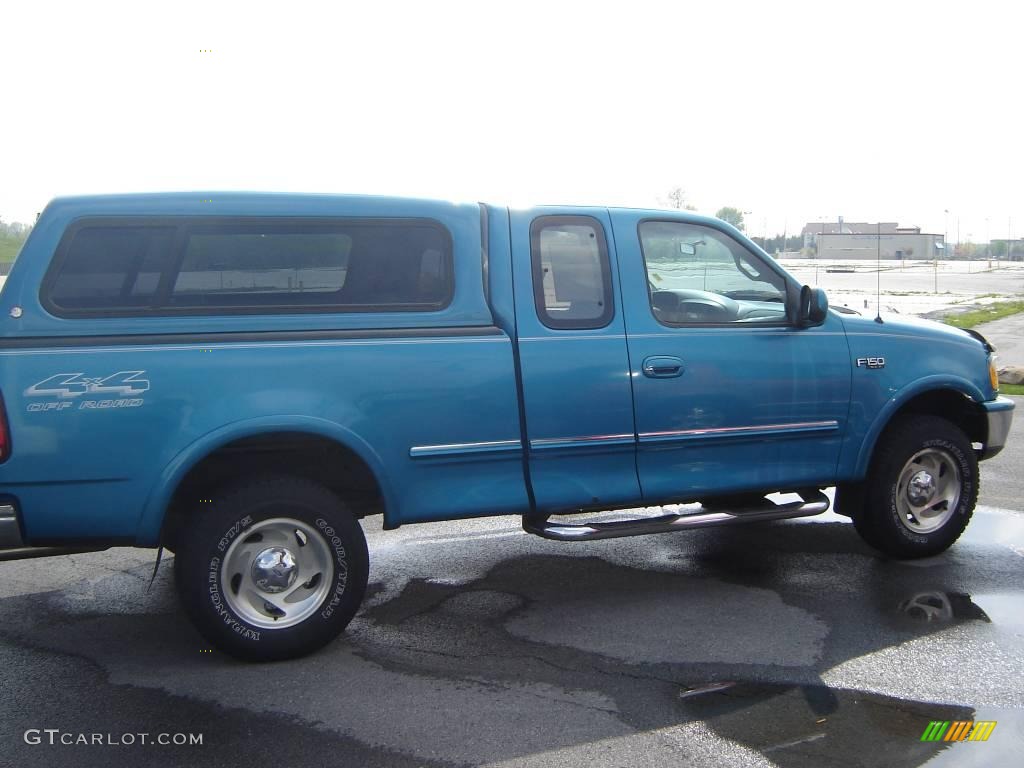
783, 644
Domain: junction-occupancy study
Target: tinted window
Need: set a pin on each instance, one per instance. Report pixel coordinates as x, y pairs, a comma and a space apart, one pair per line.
112, 267
699, 275
571, 276
252, 265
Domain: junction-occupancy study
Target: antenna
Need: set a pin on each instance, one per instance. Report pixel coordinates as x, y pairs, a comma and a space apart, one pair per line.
878, 274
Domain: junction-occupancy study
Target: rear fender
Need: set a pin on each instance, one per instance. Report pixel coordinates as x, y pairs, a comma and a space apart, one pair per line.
158, 501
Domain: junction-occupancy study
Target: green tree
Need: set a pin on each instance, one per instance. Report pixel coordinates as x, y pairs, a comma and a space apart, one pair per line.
12, 237
731, 215
676, 198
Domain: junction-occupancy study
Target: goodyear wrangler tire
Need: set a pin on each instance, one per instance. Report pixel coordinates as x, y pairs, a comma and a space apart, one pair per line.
921, 488
273, 569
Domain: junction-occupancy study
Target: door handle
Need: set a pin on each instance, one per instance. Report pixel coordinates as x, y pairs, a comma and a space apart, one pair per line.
662, 367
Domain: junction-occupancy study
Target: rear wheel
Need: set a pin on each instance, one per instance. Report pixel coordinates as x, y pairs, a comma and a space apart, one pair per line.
921, 488
275, 568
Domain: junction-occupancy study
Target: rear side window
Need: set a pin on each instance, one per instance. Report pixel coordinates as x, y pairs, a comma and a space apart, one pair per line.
112, 268
571, 276
252, 265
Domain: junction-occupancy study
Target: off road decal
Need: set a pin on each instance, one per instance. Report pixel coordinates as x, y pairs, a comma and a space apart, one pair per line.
78, 391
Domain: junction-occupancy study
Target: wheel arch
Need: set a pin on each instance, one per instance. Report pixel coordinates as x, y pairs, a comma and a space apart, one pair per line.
956, 400
262, 440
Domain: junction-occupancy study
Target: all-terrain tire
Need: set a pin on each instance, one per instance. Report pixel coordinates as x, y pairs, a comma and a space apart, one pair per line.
921, 488
271, 568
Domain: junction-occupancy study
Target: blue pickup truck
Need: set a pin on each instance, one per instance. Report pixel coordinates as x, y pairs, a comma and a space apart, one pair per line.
240, 378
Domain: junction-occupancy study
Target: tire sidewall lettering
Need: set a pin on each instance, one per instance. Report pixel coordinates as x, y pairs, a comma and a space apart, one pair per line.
217, 602
220, 608
341, 567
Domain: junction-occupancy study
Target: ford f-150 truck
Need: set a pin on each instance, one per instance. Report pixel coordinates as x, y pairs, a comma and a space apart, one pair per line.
240, 378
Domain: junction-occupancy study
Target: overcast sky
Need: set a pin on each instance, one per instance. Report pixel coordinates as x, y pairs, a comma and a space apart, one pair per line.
792, 111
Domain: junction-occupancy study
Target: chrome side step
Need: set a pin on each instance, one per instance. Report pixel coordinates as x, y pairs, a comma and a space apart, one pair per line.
812, 503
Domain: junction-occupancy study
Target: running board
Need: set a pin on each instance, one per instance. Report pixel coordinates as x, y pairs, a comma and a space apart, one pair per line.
812, 503
26, 553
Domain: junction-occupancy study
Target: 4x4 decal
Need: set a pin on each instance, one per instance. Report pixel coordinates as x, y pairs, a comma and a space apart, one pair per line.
68, 385
76, 391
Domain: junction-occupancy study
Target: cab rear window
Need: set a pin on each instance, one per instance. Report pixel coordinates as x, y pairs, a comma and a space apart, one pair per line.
250, 265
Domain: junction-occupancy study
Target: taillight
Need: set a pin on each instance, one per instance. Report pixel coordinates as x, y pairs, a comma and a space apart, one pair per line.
5, 434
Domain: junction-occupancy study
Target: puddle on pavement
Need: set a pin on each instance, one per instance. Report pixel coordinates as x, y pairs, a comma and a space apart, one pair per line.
813, 725
935, 607
1005, 608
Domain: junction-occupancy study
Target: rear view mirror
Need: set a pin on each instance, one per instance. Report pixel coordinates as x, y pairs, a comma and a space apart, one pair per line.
688, 249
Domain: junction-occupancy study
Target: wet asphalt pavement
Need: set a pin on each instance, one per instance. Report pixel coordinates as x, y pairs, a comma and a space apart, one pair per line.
788, 644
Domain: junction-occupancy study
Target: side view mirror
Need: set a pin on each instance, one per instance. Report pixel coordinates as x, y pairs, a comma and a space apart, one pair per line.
812, 307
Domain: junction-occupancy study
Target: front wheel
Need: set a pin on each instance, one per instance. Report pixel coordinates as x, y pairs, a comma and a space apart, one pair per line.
273, 569
921, 488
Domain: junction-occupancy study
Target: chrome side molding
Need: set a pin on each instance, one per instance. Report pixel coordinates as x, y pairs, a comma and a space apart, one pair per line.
811, 503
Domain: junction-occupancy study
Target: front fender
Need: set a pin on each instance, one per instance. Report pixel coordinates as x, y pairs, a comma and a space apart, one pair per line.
159, 497
901, 398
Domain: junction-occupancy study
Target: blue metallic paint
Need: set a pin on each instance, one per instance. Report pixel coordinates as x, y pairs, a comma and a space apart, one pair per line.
738, 375
575, 386
920, 356
441, 421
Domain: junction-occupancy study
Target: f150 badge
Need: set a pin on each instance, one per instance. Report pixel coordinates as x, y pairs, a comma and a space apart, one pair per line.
67, 388
871, 362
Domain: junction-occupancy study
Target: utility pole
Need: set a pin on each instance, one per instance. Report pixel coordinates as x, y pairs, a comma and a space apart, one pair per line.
988, 242
945, 235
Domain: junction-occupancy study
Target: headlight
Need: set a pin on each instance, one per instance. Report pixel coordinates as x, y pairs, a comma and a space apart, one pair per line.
993, 376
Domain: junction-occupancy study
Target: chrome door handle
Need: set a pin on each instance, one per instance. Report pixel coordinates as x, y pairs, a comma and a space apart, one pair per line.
662, 367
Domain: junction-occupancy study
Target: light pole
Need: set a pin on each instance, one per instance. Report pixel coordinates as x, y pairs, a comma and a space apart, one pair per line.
945, 234
945, 231
988, 242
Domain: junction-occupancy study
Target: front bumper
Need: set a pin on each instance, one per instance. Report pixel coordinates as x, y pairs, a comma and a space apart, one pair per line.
999, 413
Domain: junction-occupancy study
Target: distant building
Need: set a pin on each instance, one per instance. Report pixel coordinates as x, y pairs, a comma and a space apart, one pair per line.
999, 248
811, 230
864, 240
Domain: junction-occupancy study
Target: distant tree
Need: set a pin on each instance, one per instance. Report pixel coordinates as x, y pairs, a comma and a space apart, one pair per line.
676, 198
731, 215
12, 237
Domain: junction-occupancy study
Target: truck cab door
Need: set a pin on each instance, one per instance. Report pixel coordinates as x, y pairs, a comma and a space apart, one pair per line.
730, 395
577, 396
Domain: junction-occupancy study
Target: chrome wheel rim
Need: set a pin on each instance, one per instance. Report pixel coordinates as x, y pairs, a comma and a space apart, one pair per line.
928, 490
277, 573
